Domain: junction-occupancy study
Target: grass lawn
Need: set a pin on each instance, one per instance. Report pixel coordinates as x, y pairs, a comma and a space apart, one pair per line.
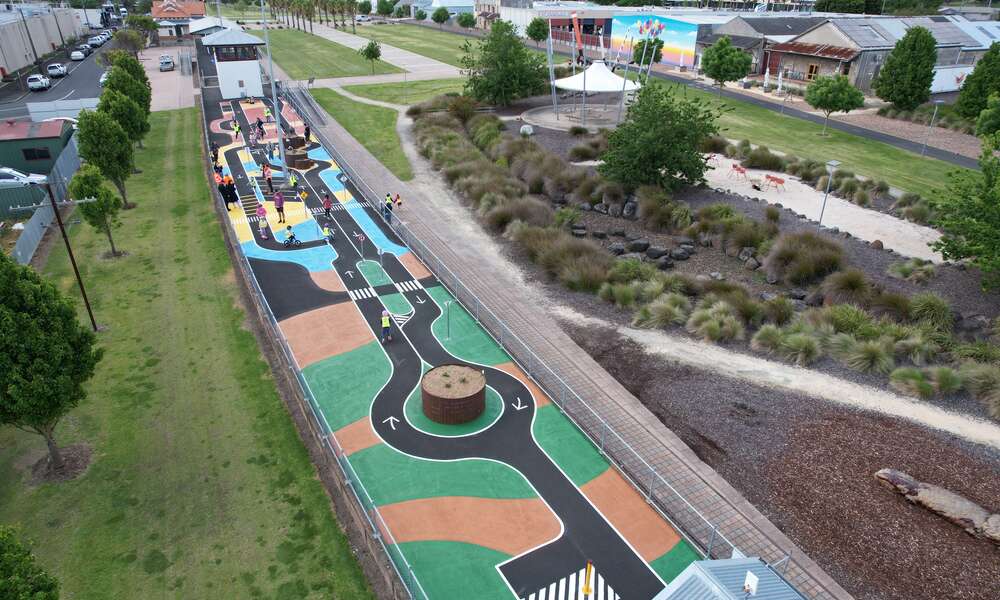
199, 486
303, 55
373, 126
439, 45
411, 92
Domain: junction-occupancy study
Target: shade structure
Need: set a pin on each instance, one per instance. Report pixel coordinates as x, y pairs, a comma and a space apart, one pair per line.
597, 78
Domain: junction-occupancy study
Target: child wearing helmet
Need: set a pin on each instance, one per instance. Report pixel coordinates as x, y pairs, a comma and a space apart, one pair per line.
386, 334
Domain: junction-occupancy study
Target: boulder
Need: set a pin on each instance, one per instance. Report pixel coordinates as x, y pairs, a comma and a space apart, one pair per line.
751, 264
732, 251
579, 233
799, 305
585, 206
772, 278
716, 276
878, 245
797, 294
639, 245
629, 210
684, 240
679, 254
615, 210
664, 263
746, 253
617, 248
973, 322
632, 256
815, 299
655, 252
617, 231
601, 208
599, 234
767, 296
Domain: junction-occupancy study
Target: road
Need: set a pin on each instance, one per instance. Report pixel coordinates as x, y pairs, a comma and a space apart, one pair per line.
81, 82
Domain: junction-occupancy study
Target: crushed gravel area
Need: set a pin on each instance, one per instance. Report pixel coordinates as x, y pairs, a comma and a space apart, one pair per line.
956, 142
809, 467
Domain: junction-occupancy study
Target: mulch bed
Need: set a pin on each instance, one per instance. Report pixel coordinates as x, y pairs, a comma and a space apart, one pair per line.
76, 461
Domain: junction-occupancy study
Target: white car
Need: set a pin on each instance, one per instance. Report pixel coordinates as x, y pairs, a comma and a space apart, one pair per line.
166, 63
11, 178
56, 70
38, 83
95, 41
103, 79
77, 55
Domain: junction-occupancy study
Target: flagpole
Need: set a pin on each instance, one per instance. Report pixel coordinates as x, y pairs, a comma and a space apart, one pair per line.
552, 73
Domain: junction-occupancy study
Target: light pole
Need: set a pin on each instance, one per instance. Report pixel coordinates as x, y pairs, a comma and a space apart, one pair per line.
831, 166
274, 94
923, 147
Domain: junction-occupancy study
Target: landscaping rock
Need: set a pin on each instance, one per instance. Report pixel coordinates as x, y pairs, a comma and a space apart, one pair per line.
679, 254
689, 248
799, 305
815, 299
632, 236
751, 264
716, 276
629, 210
705, 240
655, 252
618, 231
746, 253
664, 263
615, 210
772, 279
973, 322
767, 296
732, 251
617, 248
640, 245
878, 245
685, 241
797, 294
585, 206
601, 208
632, 255
579, 233
599, 234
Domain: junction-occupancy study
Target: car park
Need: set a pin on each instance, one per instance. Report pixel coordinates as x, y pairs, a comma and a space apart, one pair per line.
56, 70
12, 178
37, 83
166, 62
77, 55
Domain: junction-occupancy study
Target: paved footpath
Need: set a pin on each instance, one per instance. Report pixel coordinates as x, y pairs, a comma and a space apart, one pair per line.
734, 519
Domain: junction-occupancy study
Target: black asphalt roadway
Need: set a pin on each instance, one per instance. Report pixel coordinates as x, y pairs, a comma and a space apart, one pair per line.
83, 81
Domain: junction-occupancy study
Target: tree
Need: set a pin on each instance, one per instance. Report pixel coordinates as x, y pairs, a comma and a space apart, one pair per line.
400, 12
500, 68
643, 56
906, 77
384, 7
723, 62
144, 24
101, 212
120, 81
537, 30
841, 6
131, 40
440, 16
131, 65
833, 93
420, 15
46, 355
988, 122
466, 20
968, 215
659, 142
104, 144
372, 51
126, 113
21, 577
364, 7
983, 81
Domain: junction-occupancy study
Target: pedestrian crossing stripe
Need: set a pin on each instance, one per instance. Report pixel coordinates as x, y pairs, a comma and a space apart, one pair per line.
362, 293
320, 210
571, 588
402, 319
408, 286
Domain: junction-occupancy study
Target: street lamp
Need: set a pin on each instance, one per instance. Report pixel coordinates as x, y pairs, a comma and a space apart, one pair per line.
274, 94
831, 166
923, 148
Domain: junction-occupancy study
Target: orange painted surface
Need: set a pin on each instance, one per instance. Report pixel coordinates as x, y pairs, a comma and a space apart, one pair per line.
541, 399
510, 526
357, 436
414, 266
328, 280
628, 512
325, 332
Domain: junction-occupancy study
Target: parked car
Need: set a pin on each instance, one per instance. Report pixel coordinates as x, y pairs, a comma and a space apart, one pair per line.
95, 41
85, 48
38, 83
103, 79
56, 70
11, 178
362, 18
166, 63
77, 55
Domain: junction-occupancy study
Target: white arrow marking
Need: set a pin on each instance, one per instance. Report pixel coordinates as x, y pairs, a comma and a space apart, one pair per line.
420, 300
350, 274
519, 405
391, 421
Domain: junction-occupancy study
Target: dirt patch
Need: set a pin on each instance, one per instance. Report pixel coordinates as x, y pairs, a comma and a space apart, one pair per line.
453, 381
76, 461
328, 280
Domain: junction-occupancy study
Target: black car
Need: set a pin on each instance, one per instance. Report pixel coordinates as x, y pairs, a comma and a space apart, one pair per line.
85, 48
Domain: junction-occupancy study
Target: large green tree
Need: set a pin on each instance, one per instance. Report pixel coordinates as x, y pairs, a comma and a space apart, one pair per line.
126, 113
384, 7
131, 40
101, 209
364, 7
120, 58
643, 55
104, 144
906, 77
724, 62
658, 144
466, 20
46, 355
968, 215
120, 81
832, 94
988, 122
978, 85
500, 68
537, 30
841, 6
21, 577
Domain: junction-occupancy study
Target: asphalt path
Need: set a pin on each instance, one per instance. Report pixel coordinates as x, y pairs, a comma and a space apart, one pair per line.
82, 81
586, 534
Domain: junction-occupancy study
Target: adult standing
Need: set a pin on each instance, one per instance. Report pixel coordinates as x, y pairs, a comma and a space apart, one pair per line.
223, 192
388, 209
234, 196
215, 153
266, 171
308, 133
279, 205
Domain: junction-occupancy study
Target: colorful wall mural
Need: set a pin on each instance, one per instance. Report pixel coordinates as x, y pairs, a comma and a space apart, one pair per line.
678, 37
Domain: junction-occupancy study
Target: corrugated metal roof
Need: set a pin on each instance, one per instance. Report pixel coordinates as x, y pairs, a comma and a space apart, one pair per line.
986, 33
740, 41
231, 37
21, 129
821, 50
730, 574
783, 25
876, 33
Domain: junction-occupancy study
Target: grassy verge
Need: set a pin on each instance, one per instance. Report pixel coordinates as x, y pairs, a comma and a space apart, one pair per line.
412, 92
373, 126
439, 45
199, 486
303, 55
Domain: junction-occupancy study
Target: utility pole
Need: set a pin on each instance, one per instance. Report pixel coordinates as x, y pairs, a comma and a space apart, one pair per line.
62, 40
31, 42
274, 93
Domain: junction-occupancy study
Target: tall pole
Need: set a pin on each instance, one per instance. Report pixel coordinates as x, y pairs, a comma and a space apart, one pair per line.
923, 148
31, 42
274, 93
621, 105
69, 251
218, 11
552, 72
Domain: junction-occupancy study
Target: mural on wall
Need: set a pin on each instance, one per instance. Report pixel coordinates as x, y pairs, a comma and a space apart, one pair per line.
678, 37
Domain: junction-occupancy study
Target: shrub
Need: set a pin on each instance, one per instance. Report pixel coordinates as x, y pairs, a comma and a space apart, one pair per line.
534, 240
912, 382
716, 212
668, 309
944, 379
846, 287
983, 382
767, 339
932, 310
872, 356
822, 182
716, 323
895, 306
762, 158
980, 351
578, 131
907, 199
565, 249
583, 274
918, 348
801, 258
772, 214
586, 190
914, 270
566, 216
779, 310
861, 198
840, 345
462, 108
801, 348
841, 174
848, 187
582, 152
630, 269
659, 213
679, 283
746, 308
918, 213
714, 144
623, 294
848, 318
612, 192
526, 210
880, 189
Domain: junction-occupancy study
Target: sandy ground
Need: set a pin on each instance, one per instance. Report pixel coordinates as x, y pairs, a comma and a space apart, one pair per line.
906, 238
171, 90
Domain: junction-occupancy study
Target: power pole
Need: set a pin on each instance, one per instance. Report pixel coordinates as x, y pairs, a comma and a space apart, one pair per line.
31, 42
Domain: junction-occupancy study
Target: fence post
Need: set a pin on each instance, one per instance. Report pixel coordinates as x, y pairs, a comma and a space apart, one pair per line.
711, 542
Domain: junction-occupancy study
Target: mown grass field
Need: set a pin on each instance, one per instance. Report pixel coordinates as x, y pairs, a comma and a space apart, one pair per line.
199, 485
373, 126
411, 92
303, 55
437, 44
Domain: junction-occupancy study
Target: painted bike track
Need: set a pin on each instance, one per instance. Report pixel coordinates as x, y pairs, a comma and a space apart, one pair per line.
587, 535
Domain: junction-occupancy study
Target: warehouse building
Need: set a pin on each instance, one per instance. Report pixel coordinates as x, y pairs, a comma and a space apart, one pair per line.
31, 31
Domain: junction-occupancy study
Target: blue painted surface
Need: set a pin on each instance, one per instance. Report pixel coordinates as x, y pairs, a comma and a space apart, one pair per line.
372, 231
320, 153
329, 177
306, 231
319, 258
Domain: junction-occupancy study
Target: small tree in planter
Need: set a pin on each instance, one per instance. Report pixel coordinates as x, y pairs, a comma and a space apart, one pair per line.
832, 94
724, 62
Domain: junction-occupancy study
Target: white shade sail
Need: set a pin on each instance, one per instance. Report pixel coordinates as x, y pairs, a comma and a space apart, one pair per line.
597, 78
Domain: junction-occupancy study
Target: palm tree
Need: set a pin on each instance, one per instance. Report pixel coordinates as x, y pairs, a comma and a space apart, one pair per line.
352, 11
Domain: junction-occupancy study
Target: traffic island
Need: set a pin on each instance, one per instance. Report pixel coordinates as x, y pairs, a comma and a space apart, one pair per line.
453, 394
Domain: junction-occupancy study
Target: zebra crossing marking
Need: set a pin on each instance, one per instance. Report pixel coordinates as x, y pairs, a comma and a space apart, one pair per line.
570, 587
408, 286
402, 319
362, 293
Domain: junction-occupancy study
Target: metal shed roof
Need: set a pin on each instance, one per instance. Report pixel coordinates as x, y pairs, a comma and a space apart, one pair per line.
231, 37
885, 32
723, 580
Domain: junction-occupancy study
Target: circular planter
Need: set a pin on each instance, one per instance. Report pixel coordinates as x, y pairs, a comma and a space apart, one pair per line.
453, 394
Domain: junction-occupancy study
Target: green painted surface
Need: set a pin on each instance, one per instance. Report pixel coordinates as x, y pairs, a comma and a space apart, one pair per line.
567, 446
457, 570
415, 414
468, 341
397, 304
391, 476
675, 560
343, 394
374, 273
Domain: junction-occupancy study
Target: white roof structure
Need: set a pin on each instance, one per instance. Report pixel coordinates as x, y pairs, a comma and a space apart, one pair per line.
597, 78
206, 23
